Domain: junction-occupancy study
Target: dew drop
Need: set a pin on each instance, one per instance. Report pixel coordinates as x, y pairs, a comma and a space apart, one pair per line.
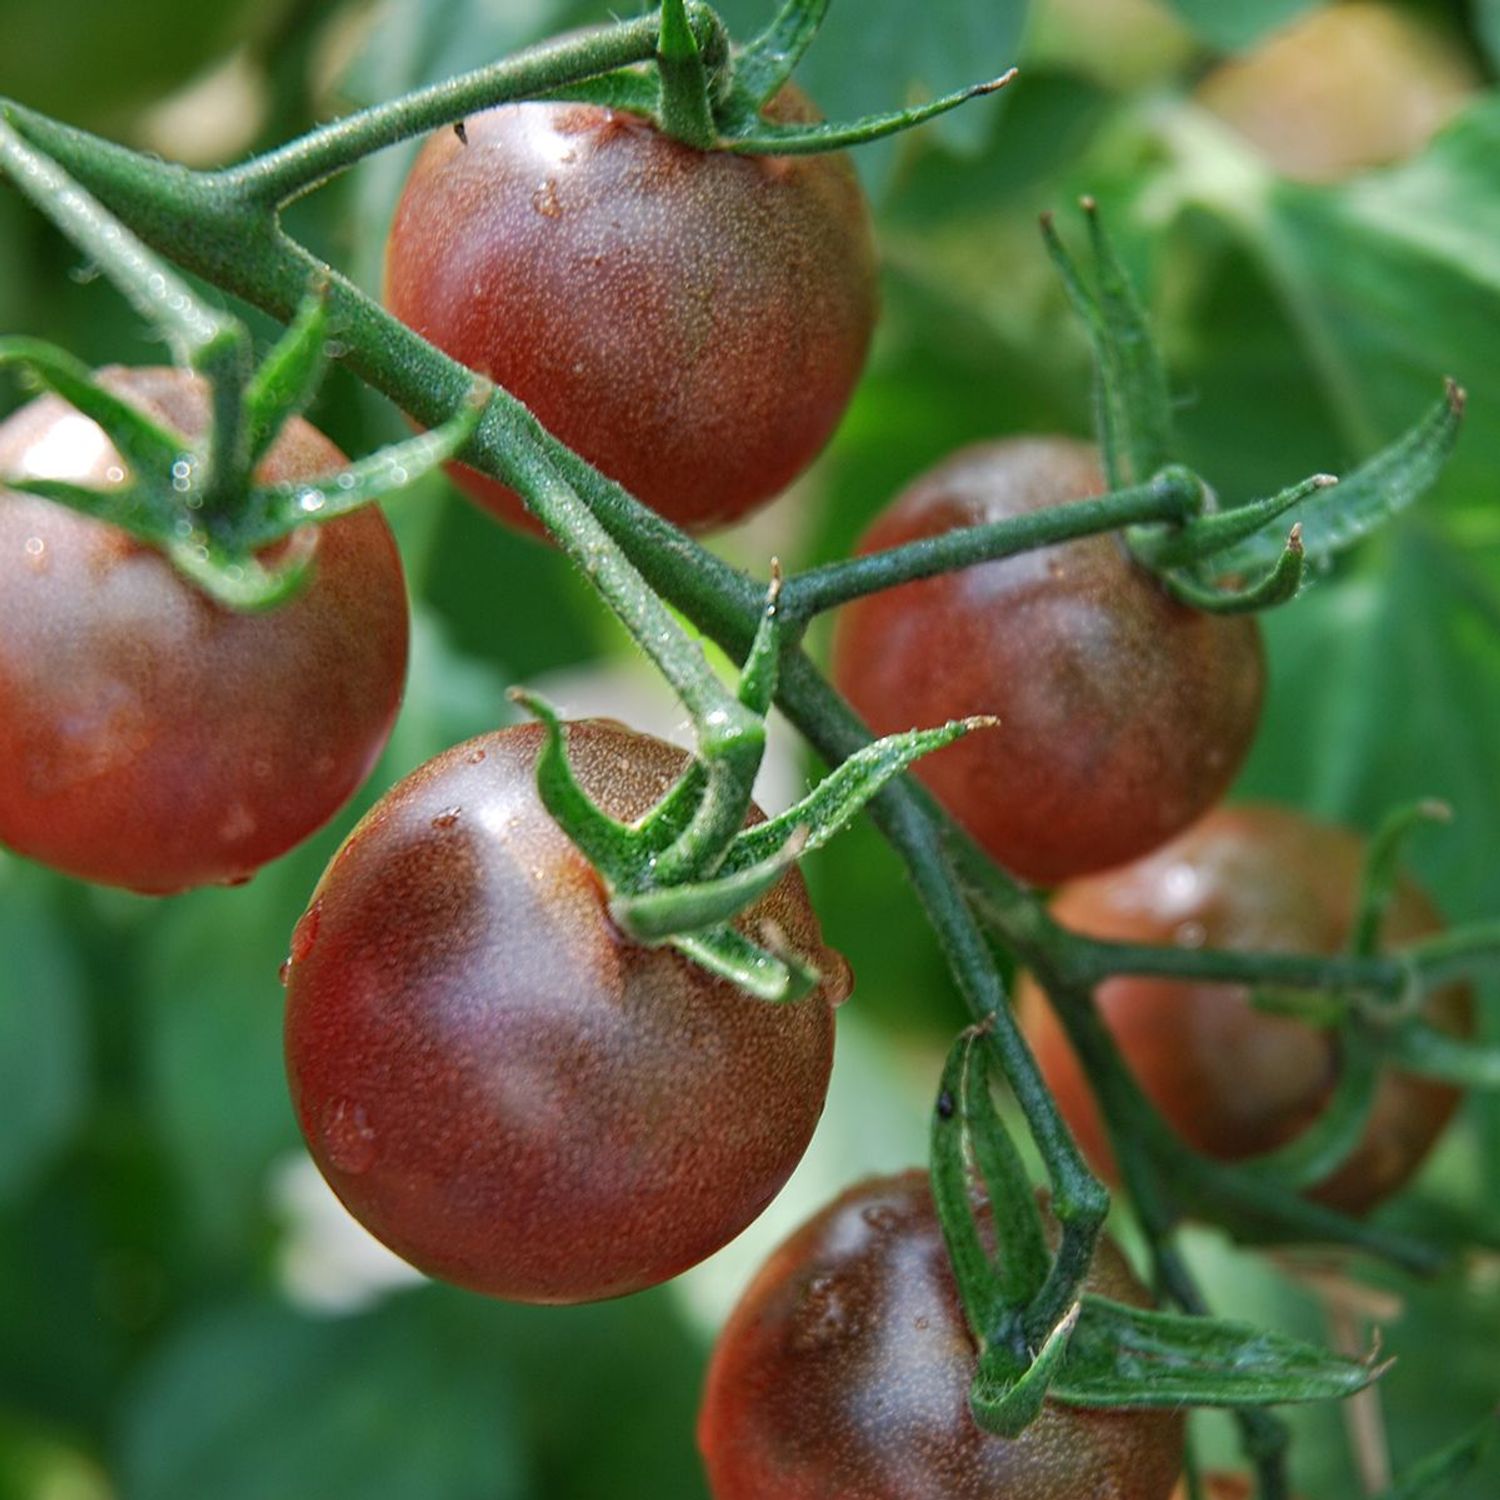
305, 933
882, 1218
476, 756
284, 973
544, 200
821, 1315
447, 818
349, 1138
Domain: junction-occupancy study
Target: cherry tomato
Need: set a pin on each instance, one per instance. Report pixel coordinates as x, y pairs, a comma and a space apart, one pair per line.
845, 1371
1220, 1487
149, 738
496, 1082
1344, 88
1123, 715
691, 322
1234, 1080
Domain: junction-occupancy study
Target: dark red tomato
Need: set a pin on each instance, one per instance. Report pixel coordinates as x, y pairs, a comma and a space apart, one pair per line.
1123, 715
845, 1371
496, 1082
149, 738
1232, 1079
691, 322
1220, 1487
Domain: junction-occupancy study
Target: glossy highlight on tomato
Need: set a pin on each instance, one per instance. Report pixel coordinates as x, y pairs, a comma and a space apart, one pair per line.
691, 322
502, 1087
845, 1371
1123, 715
1232, 1079
148, 737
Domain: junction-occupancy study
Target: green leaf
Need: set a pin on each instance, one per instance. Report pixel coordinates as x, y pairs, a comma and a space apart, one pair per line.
728, 953
1234, 26
1436, 1475
1007, 1406
629, 89
1127, 1356
43, 1062
286, 381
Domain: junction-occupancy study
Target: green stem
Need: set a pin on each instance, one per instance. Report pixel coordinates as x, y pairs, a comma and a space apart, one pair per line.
1167, 498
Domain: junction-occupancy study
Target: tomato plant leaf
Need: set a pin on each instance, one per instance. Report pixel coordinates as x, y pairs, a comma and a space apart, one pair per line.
1007, 1406
629, 89
287, 379
1234, 27
1127, 1356
732, 956
1436, 1475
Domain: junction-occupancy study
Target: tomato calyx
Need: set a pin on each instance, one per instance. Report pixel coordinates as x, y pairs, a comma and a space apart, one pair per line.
1253, 556
709, 94
1037, 1333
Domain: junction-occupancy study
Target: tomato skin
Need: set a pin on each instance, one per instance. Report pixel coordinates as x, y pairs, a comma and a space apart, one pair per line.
692, 323
1123, 715
845, 1371
1233, 1080
152, 739
501, 1087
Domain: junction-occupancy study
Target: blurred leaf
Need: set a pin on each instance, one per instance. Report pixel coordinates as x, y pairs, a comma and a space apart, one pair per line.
1489, 27
1437, 1475
406, 1403
43, 1077
1235, 26
434, 1394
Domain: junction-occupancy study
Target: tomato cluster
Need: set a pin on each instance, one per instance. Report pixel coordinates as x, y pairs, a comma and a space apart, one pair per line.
495, 1080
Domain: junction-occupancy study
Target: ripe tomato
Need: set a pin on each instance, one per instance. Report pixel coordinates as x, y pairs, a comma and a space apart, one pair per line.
845, 1370
1344, 88
496, 1082
1232, 1079
151, 739
1220, 1487
1123, 715
691, 322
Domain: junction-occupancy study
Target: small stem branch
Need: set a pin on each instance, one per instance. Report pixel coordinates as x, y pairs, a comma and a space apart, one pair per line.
279, 176
1165, 498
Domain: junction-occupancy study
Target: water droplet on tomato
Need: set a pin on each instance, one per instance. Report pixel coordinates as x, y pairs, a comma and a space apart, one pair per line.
544, 200
447, 818
284, 973
822, 1317
305, 933
349, 1138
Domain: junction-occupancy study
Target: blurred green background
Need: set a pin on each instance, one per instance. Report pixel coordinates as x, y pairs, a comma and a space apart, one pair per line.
184, 1312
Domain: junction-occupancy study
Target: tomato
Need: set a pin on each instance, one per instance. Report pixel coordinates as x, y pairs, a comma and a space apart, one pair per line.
691, 322
845, 1371
1344, 88
1123, 715
150, 738
1220, 1487
1234, 1080
497, 1083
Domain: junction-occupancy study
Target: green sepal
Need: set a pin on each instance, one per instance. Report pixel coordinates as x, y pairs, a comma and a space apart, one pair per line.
987, 1290
240, 581
1280, 586
686, 109
606, 843
770, 59
288, 378
1162, 547
1130, 1357
743, 130
1437, 1474
1133, 403
671, 817
833, 803
1382, 869
654, 915
763, 661
276, 509
1419, 1047
143, 445
1365, 500
1006, 1404
776, 978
